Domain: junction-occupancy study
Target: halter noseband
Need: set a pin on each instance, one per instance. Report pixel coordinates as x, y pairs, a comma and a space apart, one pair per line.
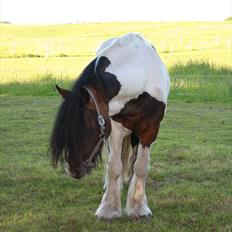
101, 123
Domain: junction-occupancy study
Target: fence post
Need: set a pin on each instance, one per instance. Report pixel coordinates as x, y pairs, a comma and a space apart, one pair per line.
47, 50
229, 43
13, 46
191, 43
164, 46
217, 41
181, 42
171, 49
202, 45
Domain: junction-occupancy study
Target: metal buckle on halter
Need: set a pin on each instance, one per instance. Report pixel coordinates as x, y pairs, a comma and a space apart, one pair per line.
101, 120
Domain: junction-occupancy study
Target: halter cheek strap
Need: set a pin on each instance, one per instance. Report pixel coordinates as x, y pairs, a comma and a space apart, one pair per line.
101, 123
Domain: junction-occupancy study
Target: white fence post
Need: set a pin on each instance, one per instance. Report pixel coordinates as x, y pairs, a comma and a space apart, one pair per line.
217, 41
181, 42
191, 43
229, 43
13, 47
47, 50
171, 49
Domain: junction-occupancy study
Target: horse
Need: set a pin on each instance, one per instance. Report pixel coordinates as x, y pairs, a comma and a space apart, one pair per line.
119, 98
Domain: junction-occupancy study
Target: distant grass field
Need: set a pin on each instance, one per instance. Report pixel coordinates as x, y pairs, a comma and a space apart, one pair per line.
198, 56
189, 184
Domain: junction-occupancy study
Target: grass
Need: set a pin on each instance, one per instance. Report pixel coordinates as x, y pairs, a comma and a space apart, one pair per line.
201, 82
189, 184
190, 82
197, 54
28, 52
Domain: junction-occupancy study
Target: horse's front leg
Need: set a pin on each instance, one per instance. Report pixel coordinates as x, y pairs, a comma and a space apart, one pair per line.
110, 206
136, 199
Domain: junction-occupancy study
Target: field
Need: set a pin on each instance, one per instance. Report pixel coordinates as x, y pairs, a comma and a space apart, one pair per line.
189, 187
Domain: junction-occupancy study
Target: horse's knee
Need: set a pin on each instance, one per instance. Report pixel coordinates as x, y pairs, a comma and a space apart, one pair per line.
141, 171
114, 169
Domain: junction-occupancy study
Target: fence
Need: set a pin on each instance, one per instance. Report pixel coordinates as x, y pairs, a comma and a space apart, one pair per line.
55, 48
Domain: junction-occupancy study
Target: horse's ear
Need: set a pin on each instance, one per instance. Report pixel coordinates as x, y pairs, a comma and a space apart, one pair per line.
101, 64
84, 95
63, 92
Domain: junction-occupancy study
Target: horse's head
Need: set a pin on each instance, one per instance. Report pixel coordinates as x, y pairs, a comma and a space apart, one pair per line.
80, 129
83, 119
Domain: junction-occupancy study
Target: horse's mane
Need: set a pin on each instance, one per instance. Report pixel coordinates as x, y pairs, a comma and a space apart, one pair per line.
67, 134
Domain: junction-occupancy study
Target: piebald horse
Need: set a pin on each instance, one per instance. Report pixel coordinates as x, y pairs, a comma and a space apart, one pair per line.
121, 96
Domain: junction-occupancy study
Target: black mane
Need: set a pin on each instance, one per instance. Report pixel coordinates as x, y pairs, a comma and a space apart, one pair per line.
68, 127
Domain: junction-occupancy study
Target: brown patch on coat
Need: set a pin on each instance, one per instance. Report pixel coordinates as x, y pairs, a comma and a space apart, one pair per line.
142, 116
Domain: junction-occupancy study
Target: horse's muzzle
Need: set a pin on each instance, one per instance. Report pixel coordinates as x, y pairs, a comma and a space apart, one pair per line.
78, 173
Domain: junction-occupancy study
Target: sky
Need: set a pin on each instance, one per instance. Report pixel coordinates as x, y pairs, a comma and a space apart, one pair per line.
73, 11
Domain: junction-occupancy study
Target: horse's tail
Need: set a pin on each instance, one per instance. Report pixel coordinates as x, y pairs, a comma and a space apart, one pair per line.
128, 157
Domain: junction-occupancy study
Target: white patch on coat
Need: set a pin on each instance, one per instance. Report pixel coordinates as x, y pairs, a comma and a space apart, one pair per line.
137, 67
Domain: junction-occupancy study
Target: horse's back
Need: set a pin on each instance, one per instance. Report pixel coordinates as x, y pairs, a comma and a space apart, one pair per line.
138, 68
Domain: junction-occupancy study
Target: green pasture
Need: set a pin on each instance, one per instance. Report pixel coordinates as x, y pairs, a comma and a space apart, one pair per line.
189, 186
197, 54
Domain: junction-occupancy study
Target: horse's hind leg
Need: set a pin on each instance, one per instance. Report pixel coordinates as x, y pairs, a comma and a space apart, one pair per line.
136, 199
110, 206
134, 153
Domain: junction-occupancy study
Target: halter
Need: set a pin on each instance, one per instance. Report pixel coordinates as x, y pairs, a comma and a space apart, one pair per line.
101, 123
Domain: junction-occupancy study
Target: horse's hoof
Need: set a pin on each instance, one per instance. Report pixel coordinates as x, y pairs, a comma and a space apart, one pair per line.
141, 212
107, 214
145, 217
141, 217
